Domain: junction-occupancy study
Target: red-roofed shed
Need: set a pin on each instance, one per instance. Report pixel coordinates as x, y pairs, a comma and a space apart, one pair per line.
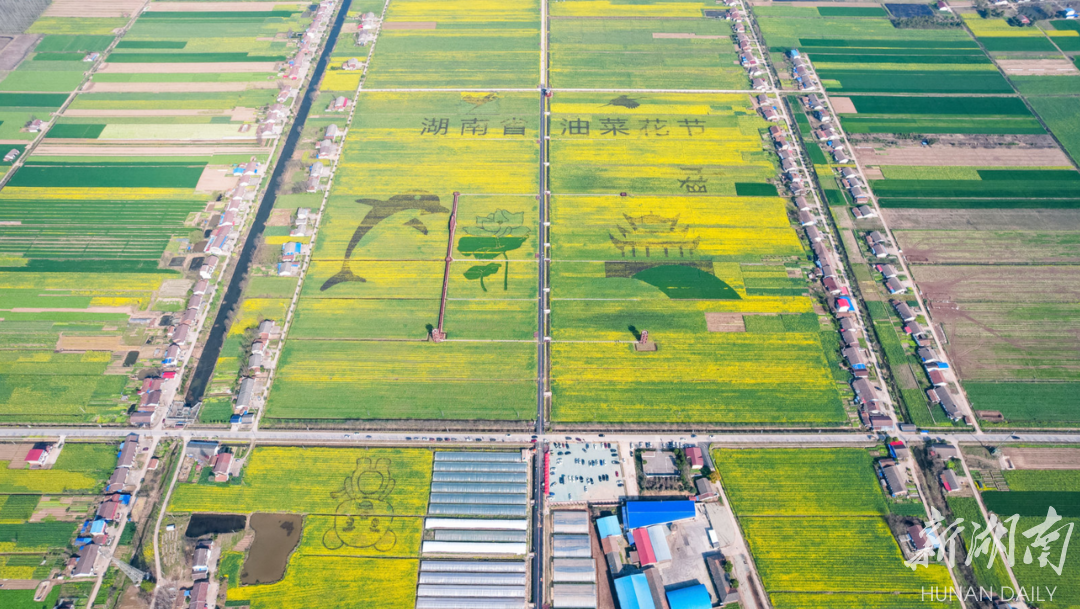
644, 547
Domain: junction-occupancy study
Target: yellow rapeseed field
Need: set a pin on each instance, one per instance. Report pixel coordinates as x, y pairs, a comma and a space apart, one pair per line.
337, 583
612, 8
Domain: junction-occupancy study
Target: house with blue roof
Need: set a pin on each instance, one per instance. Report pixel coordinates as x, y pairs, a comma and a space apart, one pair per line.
608, 527
637, 514
633, 592
692, 597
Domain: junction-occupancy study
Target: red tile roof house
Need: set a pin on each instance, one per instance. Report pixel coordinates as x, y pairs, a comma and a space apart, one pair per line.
937, 379
117, 480
199, 592
693, 455
38, 454
221, 464
109, 510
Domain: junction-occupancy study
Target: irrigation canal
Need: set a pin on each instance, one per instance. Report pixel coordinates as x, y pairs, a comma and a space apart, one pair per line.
205, 368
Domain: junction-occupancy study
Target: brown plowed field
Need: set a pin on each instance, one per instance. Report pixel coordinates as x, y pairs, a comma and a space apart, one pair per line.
983, 219
92, 8
1006, 322
176, 87
231, 67
1044, 458
950, 156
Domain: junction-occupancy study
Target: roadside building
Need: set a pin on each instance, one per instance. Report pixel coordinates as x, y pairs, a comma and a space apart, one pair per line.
85, 566
899, 450
949, 481
222, 464
689, 597
693, 456
201, 561
895, 480
923, 541
944, 452
637, 514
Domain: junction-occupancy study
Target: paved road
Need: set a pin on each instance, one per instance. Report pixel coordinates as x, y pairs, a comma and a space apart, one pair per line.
488, 439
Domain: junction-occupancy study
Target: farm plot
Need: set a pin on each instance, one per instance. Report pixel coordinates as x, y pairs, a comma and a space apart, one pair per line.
361, 529
1060, 115
869, 55
1011, 333
80, 469
977, 188
197, 57
835, 516
998, 36
656, 45
372, 291
40, 509
19, 109
682, 249
75, 212
457, 44
939, 115
1035, 493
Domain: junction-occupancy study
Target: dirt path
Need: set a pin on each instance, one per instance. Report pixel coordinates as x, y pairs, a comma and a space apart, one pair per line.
161, 518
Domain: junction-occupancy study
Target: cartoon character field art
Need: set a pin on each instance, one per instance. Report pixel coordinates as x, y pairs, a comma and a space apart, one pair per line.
365, 515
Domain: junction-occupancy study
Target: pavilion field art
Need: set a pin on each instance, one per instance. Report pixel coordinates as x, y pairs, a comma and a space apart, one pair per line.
706, 260
372, 293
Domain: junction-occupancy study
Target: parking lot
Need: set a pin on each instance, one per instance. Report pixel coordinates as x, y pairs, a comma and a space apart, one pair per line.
585, 471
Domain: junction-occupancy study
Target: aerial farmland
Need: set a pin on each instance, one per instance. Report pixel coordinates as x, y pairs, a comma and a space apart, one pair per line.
583, 304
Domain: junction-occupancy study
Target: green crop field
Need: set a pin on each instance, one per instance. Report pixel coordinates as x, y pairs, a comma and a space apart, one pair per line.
94, 175
967, 508
814, 522
986, 188
1036, 404
1060, 115
934, 115
641, 52
1036, 491
1040, 479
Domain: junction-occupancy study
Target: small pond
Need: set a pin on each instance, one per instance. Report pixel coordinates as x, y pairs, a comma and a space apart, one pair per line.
214, 524
276, 536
